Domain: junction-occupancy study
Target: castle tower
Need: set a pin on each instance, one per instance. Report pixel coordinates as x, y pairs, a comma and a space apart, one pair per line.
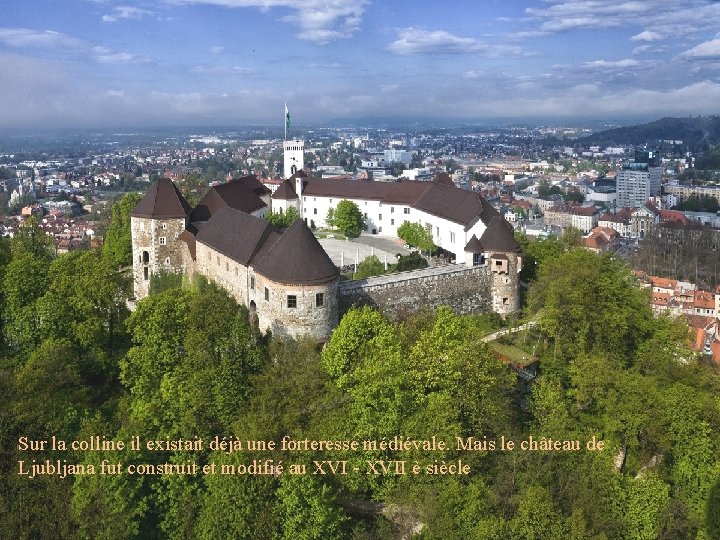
502, 252
293, 157
156, 223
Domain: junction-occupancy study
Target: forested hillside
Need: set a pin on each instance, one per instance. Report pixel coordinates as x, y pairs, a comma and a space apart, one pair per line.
697, 133
189, 363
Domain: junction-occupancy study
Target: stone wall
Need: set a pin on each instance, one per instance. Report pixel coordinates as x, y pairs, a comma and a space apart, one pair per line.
465, 290
506, 283
306, 317
156, 247
272, 310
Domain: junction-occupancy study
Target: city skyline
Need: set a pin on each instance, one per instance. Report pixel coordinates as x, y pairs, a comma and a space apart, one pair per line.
103, 63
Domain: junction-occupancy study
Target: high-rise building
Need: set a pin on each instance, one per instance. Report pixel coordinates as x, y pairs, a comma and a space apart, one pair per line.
638, 180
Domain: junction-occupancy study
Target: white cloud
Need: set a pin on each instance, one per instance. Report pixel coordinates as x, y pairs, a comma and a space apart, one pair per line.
610, 65
104, 55
710, 50
418, 41
319, 21
327, 65
63, 45
126, 13
222, 70
648, 35
659, 17
23, 38
216, 49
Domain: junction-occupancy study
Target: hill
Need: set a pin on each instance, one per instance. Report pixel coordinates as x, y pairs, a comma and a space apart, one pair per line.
697, 133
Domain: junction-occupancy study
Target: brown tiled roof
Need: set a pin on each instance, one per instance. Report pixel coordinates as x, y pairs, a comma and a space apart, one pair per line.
446, 201
286, 191
297, 258
162, 201
235, 234
444, 179
474, 245
500, 256
253, 184
498, 236
188, 237
704, 300
234, 194
458, 205
673, 215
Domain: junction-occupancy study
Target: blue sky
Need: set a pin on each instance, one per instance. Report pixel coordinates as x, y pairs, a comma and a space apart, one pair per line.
105, 63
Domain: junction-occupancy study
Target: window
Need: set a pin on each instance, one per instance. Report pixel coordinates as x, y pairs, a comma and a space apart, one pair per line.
142, 225
392, 222
167, 260
145, 257
452, 237
164, 225
406, 210
392, 209
380, 217
330, 201
315, 211
217, 259
227, 266
146, 273
162, 240
252, 282
291, 301
319, 299
267, 294
379, 229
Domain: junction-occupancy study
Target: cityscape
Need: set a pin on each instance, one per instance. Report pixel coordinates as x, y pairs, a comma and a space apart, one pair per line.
360, 270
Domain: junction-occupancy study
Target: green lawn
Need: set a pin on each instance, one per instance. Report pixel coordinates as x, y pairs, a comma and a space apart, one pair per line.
513, 353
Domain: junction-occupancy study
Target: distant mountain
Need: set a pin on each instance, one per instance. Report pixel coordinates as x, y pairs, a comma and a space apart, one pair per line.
697, 133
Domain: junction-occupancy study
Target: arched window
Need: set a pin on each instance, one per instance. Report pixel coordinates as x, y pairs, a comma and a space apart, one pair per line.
145, 257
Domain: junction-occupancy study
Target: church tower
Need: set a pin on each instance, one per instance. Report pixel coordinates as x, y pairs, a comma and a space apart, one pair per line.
156, 224
294, 160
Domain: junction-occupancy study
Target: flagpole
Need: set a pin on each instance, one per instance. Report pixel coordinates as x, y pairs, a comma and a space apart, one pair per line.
285, 120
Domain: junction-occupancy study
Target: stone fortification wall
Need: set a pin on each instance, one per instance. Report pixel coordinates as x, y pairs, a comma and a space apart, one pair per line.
312, 311
155, 247
306, 317
465, 290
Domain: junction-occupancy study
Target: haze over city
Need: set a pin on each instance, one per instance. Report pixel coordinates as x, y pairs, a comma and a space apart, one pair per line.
97, 63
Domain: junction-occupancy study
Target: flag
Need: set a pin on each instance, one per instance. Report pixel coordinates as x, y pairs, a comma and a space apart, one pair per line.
287, 118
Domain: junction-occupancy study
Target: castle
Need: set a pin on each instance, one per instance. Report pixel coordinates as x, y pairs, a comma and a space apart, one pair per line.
285, 278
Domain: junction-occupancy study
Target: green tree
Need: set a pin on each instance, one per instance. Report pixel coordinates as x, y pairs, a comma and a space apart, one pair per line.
282, 220
24, 282
30, 238
415, 235
588, 302
348, 218
117, 245
413, 261
308, 511
369, 266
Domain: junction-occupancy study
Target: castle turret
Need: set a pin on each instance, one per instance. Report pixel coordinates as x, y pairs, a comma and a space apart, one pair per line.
156, 223
502, 252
